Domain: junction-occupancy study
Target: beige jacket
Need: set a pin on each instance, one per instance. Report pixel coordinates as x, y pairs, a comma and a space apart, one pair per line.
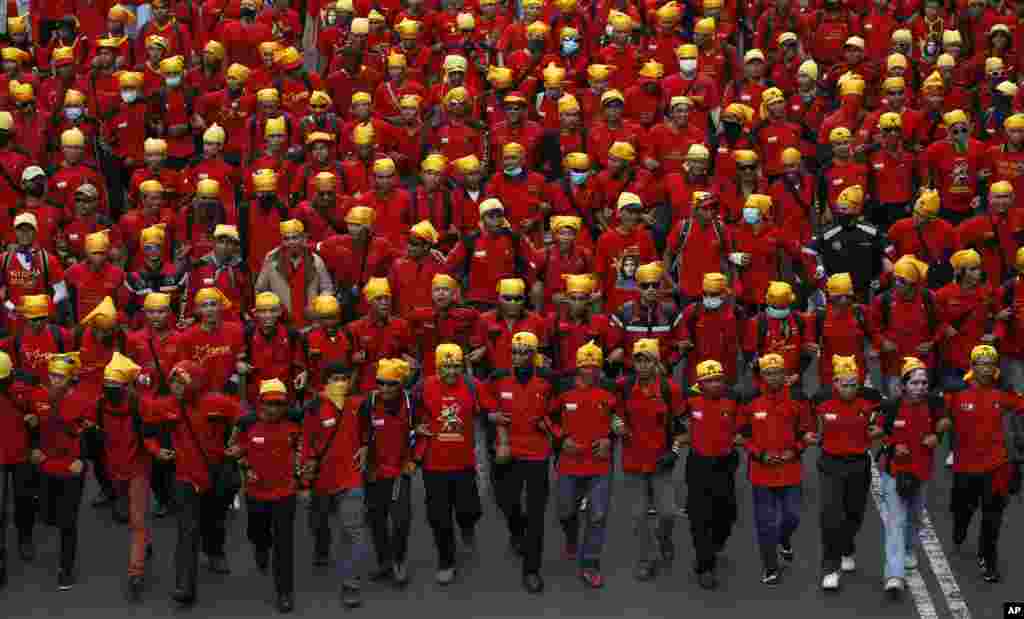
273, 278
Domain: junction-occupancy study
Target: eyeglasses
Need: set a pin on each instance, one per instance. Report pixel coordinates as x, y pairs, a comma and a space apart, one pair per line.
746, 168
648, 285
959, 132
513, 299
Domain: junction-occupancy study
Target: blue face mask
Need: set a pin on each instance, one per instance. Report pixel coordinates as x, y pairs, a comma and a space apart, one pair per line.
570, 47
777, 313
712, 303
516, 171
72, 113
752, 215
578, 178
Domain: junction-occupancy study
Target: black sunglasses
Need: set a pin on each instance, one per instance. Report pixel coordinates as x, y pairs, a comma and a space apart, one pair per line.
648, 286
511, 299
959, 132
746, 167
388, 383
891, 130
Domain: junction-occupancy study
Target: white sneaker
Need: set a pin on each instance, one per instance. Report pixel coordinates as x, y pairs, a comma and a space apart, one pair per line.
848, 564
911, 562
830, 582
949, 459
894, 584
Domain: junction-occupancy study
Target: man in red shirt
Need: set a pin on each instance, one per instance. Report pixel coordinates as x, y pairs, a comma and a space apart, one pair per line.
582, 418
994, 234
492, 337
90, 281
444, 448
711, 327
954, 166
268, 445
773, 422
649, 420
620, 250
713, 430
409, 272
522, 447
982, 472
380, 334
26, 269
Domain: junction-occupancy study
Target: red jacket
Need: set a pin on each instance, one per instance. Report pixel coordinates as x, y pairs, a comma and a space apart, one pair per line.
379, 340
14, 433
647, 415
909, 426
844, 425
330, 439
280, 355
324, 349
494, 257
272, 450
584, 414
715, 334
124, 453
391, 425
977, 414
494, 333
774, 422
526, 404
431, 328
970, 313
450, 412
60, 429
88, 287
216, 352
714, 425
409, 281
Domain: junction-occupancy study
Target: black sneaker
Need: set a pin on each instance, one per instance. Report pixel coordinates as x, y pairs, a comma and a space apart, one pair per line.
262, 556
183, 598
351, 597
219, 565
65, 580
285, 603
770, 577
992, 574
707, 580
382, 574
786, 553
3, 571
321, 559
135, 586
27, 550
981, 563
102, 500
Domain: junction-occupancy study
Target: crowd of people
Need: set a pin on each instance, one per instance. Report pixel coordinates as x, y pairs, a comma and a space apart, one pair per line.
319, 251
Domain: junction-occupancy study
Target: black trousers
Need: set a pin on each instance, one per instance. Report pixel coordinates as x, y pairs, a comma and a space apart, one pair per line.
711, 504
389, 512
201, 523
447, 493
271, 525
845, 482
970, 491
19, 481
161, 481
62, 500
525, 525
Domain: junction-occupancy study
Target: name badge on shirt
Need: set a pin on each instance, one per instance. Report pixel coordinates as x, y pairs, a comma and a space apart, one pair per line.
73, 236
879, 166
330, 423
900, 423
122, 125
570, 406
967, 406
698, 414
258, 440
506, 395
772, 139
378, 423
838, 181
480, 253
831, 417
761, 415
62, 184
208, 280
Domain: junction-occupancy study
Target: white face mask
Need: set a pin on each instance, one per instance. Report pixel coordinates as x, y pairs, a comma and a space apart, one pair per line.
578, 178
778, 313
129, 96
174, 81
712, 303
688, 65
752, 215
73, 113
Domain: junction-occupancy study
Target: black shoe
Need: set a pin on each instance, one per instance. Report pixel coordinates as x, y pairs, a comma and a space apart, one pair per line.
401, 575
65, 580
707, 580
149, 552
981, 563
351, 597
786, 553
645, 570
3, 570
102, 500
285, 603
770, 577
321, 559
533, 583
262, 556
135, 586
992, 574
183, 598
161, 510
515, 546
959, 537
469, 541
219, 565
27, 550
382, 574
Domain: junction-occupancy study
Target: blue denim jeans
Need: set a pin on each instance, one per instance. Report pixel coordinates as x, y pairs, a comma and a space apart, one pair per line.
597, 489
777, 516
645, 528
902, 520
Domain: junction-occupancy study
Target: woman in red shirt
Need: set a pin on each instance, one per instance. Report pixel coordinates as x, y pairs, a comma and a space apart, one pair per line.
909, 427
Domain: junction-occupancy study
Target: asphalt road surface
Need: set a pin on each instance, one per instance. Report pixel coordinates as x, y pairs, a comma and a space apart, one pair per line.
489, 585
